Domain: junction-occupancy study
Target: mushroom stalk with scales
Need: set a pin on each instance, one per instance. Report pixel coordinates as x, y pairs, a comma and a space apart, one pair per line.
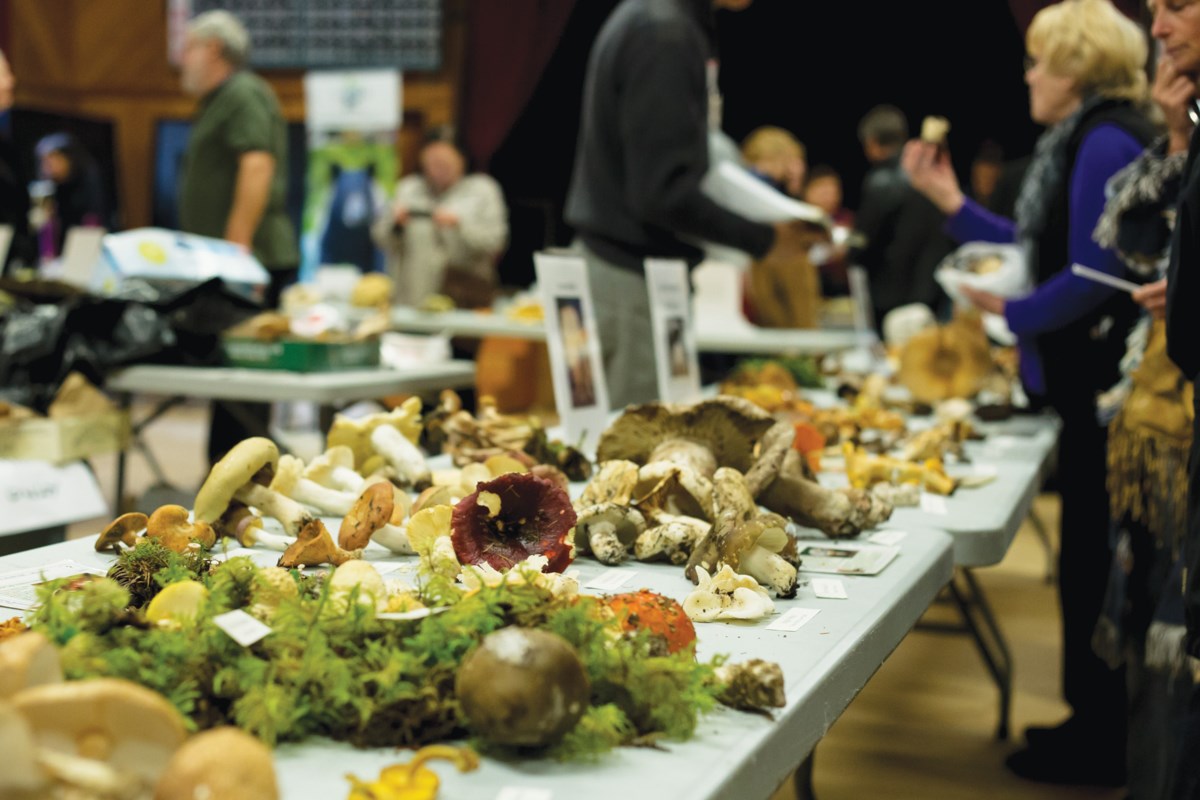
608, 530
244, 475
744, 539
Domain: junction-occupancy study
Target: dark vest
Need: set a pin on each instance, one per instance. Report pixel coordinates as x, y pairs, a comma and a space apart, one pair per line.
1083, 357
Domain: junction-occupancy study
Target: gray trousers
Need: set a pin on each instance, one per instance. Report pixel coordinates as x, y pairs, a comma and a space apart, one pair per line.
626, 336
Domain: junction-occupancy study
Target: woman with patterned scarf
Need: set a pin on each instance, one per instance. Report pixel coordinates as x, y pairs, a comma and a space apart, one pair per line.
1149, 436
1087, 84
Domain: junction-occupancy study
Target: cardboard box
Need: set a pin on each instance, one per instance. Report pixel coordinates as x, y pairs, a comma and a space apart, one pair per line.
300, 355
59, 441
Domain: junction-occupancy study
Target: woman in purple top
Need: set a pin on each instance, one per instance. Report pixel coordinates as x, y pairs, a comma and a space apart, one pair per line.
1087, 85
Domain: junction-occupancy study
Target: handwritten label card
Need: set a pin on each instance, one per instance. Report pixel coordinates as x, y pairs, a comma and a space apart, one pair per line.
36, 494
241, 627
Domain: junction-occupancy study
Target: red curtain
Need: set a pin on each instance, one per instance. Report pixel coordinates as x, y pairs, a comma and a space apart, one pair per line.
1023, 10
508, 46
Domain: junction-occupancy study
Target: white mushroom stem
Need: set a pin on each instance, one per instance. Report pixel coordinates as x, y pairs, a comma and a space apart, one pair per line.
341, 478
272, 541
769, 569
402, 454
322, 498
394, 538
290, 514
604, 543
96, 778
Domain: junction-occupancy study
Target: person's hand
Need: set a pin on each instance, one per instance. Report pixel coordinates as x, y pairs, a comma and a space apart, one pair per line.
445, 218
984, 301
1153, 298
930, 173
1173, 92
400, 215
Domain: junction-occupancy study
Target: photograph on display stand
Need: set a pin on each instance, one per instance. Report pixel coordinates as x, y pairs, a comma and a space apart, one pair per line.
575, 348
677, 349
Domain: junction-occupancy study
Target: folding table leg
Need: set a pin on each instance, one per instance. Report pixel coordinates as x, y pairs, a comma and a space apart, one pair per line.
802, 779
979, 621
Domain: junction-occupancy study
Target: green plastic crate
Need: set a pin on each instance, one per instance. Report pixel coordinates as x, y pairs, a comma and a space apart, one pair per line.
300, 355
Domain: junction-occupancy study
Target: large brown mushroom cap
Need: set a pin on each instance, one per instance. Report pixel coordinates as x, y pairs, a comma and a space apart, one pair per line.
224, 763
235, 470
948, 361
371, 511
729, 427
121, 531
127, 726
170, 525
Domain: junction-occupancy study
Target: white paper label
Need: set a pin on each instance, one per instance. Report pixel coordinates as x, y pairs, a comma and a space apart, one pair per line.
676, 362
609, 579
524, 793
386, 567
404, 616
37, 494
794, 619
829, 588
934, 504
18, 589
241, 627
573, 345
888, 537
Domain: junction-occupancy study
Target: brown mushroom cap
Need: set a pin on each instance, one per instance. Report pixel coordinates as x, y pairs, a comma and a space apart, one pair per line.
231, 473
729, 427
28, 659
112, 720
170, 525
315, 546
371, 511
123, 529
224, 763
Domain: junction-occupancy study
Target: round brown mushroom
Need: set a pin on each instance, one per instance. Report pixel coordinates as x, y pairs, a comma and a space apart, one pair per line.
522, 687
223, 763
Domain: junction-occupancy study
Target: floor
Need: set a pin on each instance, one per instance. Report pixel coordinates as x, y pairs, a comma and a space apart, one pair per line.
924, 726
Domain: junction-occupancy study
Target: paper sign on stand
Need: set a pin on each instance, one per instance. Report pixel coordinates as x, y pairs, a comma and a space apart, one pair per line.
676, 362
37, 494
576, 369
82, 251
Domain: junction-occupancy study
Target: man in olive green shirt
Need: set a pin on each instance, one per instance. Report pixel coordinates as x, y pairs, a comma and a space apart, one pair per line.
233, 183
234, 180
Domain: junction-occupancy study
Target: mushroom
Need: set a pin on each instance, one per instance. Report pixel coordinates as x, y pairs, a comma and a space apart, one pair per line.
121, 532
608, 530
120, 724
402, 454
224, 763
673, 539
522, 687
356, 433
28, 659
614, 482
171, 526
372, 591
753, 685
665, 489
272, 586
508, 519
370, 518
429, 534
732, 432
234, 478
21, 776
744, 539
413, 781
315, 546
335, 468
952, 360
242, 524
726, 595
289, 481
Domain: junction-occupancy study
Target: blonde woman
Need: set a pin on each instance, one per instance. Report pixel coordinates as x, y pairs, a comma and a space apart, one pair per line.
777, 157
1087, 84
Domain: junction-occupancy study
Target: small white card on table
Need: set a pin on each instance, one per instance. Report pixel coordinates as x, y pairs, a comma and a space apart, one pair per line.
18, 589
845, 558
678, 366
609, 579
573, 344
241, 627
793, 619
934, 504
829, 588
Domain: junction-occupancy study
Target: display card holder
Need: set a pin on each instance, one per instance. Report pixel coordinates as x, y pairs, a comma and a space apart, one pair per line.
37, 494
676, 363
573, 345
6, 237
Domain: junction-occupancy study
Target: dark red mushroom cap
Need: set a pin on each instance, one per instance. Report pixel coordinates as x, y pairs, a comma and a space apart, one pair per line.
533, 518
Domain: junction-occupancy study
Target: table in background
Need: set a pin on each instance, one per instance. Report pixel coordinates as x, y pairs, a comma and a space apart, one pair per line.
733, 755
229, 384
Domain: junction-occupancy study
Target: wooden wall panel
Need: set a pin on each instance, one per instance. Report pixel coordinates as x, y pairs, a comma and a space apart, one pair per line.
108, 60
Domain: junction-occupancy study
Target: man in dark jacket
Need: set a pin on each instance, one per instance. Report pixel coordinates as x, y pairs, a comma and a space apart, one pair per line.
14, 195
900, 230
642, 153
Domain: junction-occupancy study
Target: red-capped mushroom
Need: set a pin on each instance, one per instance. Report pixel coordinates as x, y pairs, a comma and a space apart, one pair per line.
515, 516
